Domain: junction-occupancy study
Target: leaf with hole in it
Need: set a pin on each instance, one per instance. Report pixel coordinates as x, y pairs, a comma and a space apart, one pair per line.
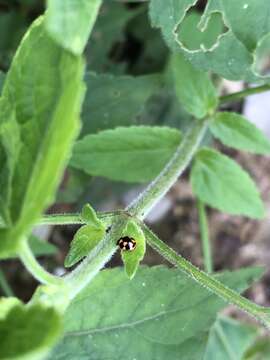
235, 131
131, 154
160, 314
236, 30
85, 240
28, 331
193, 87
70, 22
229, 339
132, 258
221, 183
39, 120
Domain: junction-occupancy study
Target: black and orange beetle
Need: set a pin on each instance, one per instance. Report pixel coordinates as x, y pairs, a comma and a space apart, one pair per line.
126, 243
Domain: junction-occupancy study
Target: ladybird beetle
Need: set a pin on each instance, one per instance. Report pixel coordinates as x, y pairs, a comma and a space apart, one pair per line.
126, 243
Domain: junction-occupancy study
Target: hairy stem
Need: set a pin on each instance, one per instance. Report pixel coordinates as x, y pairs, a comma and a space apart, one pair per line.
61, 219
71, 219
206, 246
161, 185
244, 93
211, 283
38, 272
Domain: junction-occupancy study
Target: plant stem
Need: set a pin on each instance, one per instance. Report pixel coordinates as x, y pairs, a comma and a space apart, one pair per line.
89, 268
242, 94
61, 219
5, 285
38, 272
71, 219
161, 185
208, 281
206, 246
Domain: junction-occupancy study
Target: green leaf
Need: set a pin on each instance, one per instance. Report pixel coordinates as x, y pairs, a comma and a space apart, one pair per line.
160, 314
85, 240
227, 36
90, 216
229, 339
193, 87
132, 154
70, 22
28, 332
87, 237
221, 183
38, 124
235, 131
109, 101
132, 259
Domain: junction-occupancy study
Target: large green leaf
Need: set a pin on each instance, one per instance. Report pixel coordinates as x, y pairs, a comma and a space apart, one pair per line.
193, 87
113, 101
229, 339
160, 314
70, 22
235, 131
28, 332
132, 154
221, 183
227, 37
39, 119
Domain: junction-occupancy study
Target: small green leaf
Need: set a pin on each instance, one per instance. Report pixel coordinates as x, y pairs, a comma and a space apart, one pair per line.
28, 332
70, 22
221, 183
132, 258
229, 339
193, 87
85, 240
90, 217
160, 314
132, 154
235, 131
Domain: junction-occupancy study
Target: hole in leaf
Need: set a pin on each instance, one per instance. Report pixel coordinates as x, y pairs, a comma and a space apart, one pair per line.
192, 38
